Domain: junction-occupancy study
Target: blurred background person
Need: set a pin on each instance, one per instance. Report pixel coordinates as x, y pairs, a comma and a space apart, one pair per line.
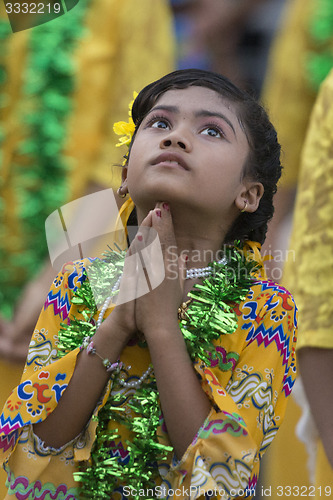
312, 278
311, 281
232, 38
300, 58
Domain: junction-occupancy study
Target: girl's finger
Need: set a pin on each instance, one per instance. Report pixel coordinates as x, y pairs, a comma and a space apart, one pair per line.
162, 212
162, 220
147, 221
133, 283
146, 258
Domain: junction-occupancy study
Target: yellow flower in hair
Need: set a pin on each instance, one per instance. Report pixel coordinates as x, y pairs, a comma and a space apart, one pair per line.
126, 129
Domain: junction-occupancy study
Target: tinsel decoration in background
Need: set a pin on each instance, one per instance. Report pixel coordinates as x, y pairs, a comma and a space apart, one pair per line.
319, 62
209, 315
40, 169
6, 299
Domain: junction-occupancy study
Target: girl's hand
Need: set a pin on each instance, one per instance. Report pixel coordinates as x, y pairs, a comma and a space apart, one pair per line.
151, 287
164, 267
121, 322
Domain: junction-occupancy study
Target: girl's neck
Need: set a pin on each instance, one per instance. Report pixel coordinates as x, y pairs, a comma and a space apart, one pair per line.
197, 236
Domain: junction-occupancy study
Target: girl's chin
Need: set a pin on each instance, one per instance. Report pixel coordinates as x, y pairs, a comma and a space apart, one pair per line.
149, 200
147, 204
158, 192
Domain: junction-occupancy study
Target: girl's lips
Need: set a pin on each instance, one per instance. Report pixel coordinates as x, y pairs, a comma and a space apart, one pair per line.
173, 159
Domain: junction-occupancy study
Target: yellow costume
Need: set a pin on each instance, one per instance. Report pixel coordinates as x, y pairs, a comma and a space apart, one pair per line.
248, 384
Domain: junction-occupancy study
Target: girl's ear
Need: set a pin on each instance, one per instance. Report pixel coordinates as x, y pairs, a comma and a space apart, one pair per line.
122, 191
124, 186
250, 196
124, 174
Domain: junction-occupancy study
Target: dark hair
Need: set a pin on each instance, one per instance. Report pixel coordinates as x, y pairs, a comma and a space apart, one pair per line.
263, 164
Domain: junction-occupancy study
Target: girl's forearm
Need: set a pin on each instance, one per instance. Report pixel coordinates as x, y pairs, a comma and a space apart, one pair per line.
185, 405
83, 392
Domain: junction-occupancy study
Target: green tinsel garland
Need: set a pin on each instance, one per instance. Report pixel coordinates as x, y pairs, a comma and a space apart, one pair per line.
319, 63
209, 315
42, 186
5, 32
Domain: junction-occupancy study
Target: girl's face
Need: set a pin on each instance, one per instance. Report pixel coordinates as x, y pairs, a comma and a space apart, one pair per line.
190, 151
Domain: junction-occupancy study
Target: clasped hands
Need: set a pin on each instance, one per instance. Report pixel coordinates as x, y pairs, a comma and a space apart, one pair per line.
155, 266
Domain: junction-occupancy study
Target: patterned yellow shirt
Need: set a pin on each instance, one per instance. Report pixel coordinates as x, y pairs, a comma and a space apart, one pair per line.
248, 384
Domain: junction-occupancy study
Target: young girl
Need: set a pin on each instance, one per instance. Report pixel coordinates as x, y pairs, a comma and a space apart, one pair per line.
179, 391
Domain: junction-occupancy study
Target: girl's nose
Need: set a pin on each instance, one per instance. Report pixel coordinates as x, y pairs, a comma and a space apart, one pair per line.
177, 140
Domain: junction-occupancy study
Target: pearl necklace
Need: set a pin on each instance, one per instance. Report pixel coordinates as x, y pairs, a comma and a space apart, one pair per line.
135, 384
202, 272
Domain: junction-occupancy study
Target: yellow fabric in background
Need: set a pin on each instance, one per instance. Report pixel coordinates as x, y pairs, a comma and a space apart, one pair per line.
126, 46
324, 473
310, 278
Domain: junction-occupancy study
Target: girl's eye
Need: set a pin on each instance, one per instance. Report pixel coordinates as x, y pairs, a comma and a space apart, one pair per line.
212, 132
159, 123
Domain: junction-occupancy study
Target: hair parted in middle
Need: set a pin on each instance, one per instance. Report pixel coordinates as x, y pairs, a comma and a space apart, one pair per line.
263, 163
